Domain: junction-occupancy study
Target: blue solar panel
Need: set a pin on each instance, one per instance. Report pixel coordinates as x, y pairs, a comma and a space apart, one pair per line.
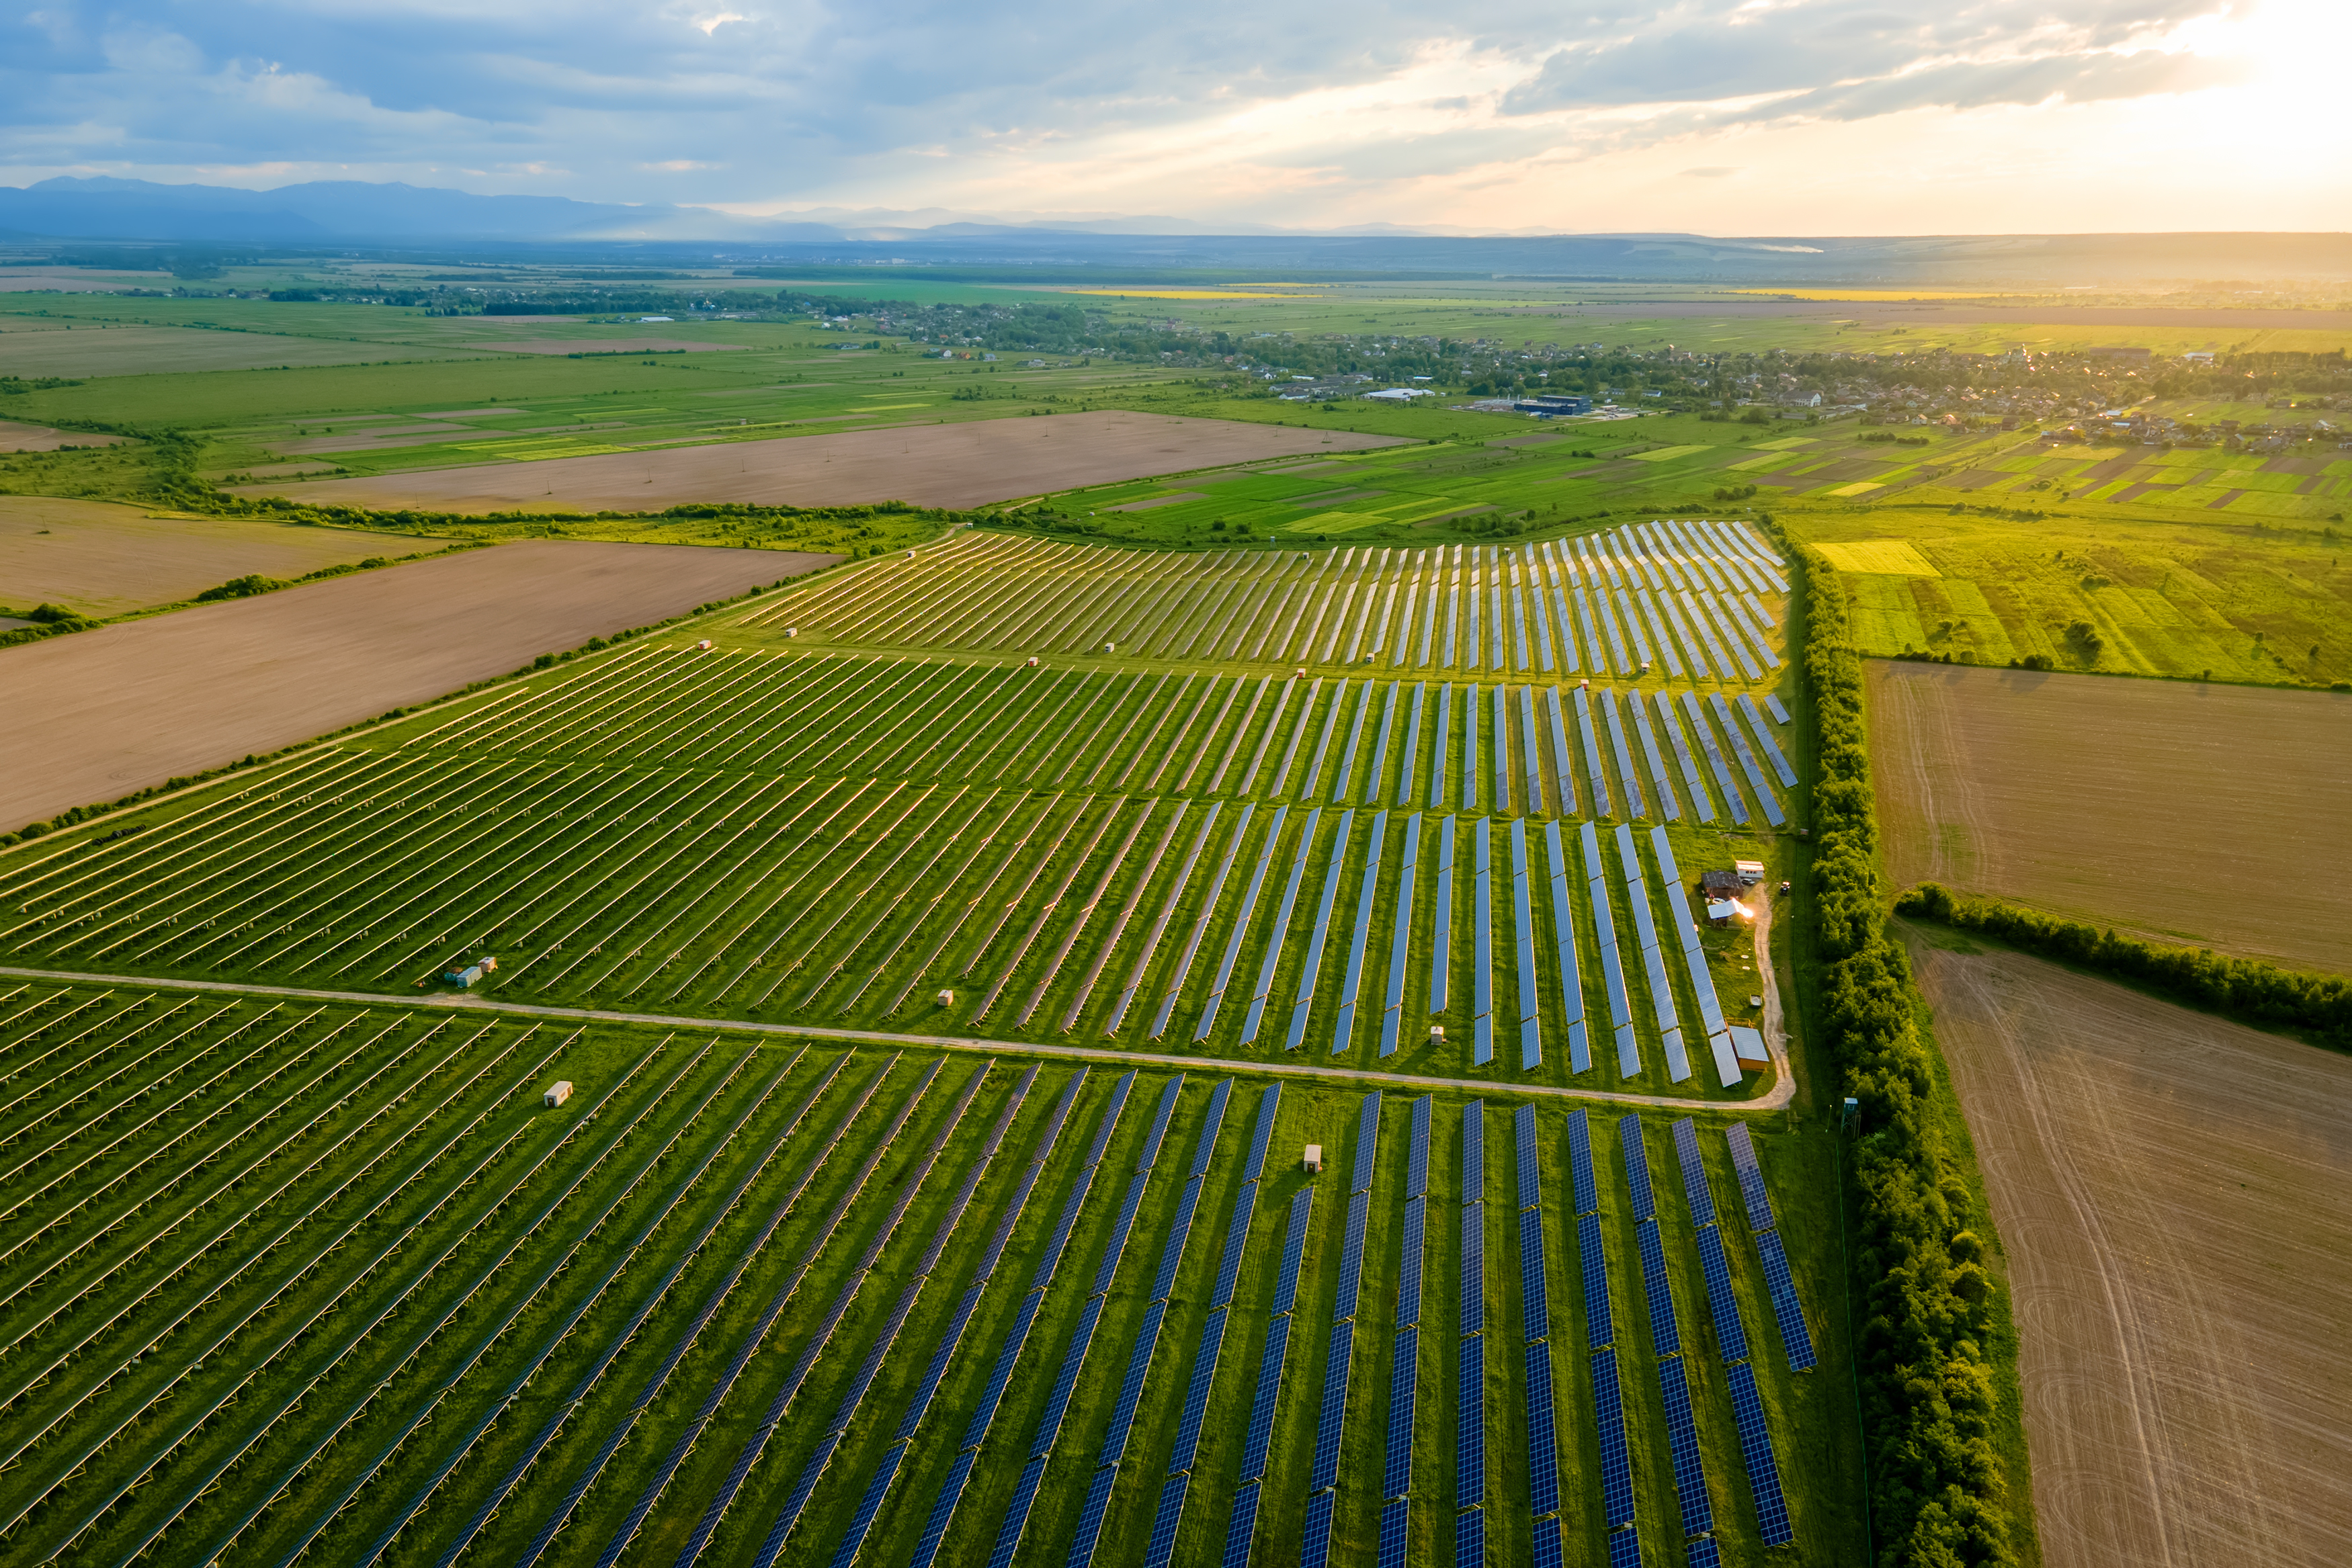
1616, 1467
1241, 1527
1730, 1333
1082, 1549
1600, 1329
1293, 1247
1368, 1141
1637, 1165
1229, 1266
1625, 1549
1409, 1276
1130, 1388
1351, 1255
1703, 1553
1756, 1451
1682, 1439
1416, 1169
1025, 1494
1331, 1419
1543, 1433
1161, 1548
1269, 1384
1470, 1428
1211, 1125
1404, 1385
1473, 1151
1180, 1231
1543, 1551
1394, 1517
1269, 1103
1523, 1140
1796, 1338
1665, 1333
1694, 1168
1473, 1268
1586, 1195
1470, 1539
1314, 1541
1196, 1392
1751, 1178
1534, 1303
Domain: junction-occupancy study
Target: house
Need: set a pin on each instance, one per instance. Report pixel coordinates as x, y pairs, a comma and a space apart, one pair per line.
1722, 884
1723, 912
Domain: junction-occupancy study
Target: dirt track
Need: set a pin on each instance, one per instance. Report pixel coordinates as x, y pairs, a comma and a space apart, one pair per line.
94, 715
2194, 814
2174, 1194
929, 465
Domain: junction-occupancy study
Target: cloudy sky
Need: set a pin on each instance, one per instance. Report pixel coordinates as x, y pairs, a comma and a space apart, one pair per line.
1715, 116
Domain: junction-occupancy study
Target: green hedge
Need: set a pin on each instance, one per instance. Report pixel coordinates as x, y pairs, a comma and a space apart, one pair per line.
1937, 1495
2320, 1005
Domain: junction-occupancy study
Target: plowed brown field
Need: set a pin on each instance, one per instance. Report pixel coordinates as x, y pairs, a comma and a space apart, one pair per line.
103, 559
929, 465
97, 715
2174, 1194
2206, 814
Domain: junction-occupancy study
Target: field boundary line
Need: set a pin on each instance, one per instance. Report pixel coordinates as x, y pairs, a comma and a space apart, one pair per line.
1775, 1098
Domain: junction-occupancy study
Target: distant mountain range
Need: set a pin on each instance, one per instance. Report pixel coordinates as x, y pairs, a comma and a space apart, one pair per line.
355, 213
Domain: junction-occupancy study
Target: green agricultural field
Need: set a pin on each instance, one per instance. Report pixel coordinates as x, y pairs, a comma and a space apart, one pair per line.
295, 1275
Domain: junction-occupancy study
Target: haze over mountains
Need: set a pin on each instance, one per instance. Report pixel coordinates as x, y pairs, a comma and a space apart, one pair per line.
346, 214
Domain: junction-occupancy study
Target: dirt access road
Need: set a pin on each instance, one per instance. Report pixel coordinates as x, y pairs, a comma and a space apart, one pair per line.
2174, 1194
927, 466
96, 714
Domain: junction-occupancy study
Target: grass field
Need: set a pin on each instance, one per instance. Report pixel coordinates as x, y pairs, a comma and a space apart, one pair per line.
2171, 1189
2051, 789
363, 1287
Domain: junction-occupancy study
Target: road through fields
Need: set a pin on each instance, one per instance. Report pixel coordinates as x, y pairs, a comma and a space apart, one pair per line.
2174, 1194
95, 715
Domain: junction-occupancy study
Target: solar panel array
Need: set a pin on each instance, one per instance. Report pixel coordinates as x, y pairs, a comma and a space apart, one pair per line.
1482, 942
1694, 963
1404, 1363
1665, 1337
1751, 1178
1243, 1525
1147, 1339
1470, 1425
1331, 1418
1787, 1308
1543, 1428
1756, 1449
1600, 1337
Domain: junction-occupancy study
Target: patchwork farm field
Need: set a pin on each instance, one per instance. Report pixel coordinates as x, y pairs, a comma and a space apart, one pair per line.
2060, 791
102, 559
299, 1277
861, 805
127, 706
2171, 1195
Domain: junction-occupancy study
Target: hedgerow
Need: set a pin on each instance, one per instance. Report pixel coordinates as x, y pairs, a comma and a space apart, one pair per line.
1937, 1495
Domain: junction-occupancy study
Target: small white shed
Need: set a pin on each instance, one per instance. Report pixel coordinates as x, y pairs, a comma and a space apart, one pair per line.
1312, 1162
558, 1093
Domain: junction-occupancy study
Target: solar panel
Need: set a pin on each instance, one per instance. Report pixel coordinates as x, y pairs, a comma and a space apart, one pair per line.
1579, 1163
1331, 1420
1241, 1527
1179, 1231
1293, 1247
1751, 1178
1368, 1141
1730, 1332
1473, 1151
1269, 1384
1523, 1140
1473, 1268
1408, 1310
1682, 1439
1082, 1549
1470, 1429
1131, 1388
1756, 1452
1616, 1467
1470, 1539
1404, 1385
1395, 1515
1211, 1125
1703, 1552
1788, 1309
1625, 1549
1314, 1541
1694, 1187
1665, 1333
1025, 1493
1543, 1437
1416, 1178
1777, 711
1535, 1305
1351, 1255
1599, 1330
1229, 1266
1637, 1165
1161, 1548
1196, 1391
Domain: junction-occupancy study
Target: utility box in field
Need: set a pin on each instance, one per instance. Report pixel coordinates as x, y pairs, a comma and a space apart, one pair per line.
558, 1093
1312, 1162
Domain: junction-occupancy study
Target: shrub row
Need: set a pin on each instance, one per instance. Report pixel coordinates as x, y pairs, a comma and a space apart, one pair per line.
2246, 988
1937, 1495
